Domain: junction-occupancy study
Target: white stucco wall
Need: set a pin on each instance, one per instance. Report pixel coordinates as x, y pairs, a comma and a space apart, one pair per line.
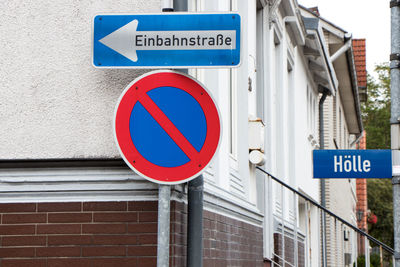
303, 146
54, 104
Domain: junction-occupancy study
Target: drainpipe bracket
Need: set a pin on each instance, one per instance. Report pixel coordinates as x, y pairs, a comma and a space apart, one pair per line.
396, 255
395, 56
394, 3
395, 60
395, 180
395, 64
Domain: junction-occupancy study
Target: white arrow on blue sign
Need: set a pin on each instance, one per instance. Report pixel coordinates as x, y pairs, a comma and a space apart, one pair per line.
370, 163
186, 40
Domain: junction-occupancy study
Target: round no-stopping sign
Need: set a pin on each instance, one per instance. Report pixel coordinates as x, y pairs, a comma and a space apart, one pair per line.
167, 127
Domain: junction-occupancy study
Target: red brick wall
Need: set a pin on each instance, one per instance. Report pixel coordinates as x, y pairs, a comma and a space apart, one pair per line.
226, 241
119, 234
78, 234
359, 50
289, 250
361, 189
362, 200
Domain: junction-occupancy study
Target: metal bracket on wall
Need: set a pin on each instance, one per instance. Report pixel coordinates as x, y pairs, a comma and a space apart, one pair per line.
395, 65
396, 255
394, 3
395, 61
396, 180
395, 56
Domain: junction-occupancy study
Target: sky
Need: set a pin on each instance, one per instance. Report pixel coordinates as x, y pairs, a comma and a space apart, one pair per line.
369, 19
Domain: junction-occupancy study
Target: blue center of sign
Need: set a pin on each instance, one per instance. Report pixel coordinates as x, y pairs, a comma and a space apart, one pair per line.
153, 142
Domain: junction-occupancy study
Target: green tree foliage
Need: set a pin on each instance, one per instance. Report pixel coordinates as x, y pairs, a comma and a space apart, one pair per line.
376, 111
380, 203
374, 261
376, 118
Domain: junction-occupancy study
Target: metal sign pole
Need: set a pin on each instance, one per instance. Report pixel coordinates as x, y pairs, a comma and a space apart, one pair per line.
395, 119
164, 197
164, 201
194, 256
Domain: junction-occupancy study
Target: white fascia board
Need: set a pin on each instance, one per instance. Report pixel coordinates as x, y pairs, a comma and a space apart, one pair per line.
80, 184
333, 29
327, 64
293, 19
295, 25
329, 26
334, 81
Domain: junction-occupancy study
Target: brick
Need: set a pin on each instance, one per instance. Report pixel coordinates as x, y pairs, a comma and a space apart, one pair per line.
17, 229
70, 217
23, 263
143, 206
113, 262
180, 261
16, 241
105, 206
24, 218
148, 217
72, 262
104, 228
142, 228
104, 251
17, 252
59, 229
209, 215
178, 239
150, 239
147, 262
17, 207
244, 247
209, 263
59, 207
58, 252
142, 251
56, 240
115, 217
115, 239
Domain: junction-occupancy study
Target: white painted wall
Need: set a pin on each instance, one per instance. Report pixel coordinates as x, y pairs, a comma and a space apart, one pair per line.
287, 146
303, 144
54, 104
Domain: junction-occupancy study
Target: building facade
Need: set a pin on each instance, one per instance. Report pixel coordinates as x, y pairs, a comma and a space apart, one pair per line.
69, 200
359, 47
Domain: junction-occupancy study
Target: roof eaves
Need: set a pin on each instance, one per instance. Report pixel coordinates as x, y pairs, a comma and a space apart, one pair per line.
313, 28
353, 74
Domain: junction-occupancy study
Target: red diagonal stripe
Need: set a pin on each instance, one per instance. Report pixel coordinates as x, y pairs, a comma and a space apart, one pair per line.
169, 127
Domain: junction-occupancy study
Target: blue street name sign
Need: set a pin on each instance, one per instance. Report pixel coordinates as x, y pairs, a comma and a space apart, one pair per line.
179, 40
352, 163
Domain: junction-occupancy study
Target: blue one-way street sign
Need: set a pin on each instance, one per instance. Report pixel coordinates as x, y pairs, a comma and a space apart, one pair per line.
189, 40
352, 163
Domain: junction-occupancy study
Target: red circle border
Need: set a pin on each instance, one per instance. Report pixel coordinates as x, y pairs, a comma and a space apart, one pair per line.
150, 171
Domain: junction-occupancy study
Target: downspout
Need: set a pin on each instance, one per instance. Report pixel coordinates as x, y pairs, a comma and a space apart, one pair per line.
343, 49
325, 92
359, 136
